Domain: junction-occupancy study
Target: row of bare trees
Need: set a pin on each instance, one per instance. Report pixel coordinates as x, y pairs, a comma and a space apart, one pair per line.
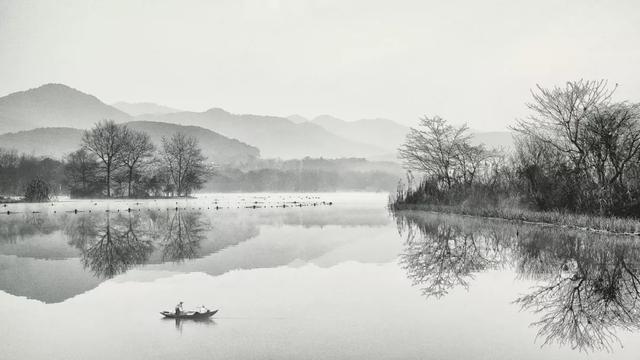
115, 157
578, 150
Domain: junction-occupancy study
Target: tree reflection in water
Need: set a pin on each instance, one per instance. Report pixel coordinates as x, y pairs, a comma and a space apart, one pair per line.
20, 226
112, 244
110, 247
182, 236
588, 283
438, 257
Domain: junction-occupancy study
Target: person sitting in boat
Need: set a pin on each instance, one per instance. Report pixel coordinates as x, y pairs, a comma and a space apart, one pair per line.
179, 308
203, 309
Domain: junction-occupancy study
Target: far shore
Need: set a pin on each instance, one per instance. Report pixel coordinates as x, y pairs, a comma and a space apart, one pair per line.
603, 224
21, 200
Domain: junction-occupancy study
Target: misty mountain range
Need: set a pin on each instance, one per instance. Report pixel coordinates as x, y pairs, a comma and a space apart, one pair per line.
136, 109
49, 120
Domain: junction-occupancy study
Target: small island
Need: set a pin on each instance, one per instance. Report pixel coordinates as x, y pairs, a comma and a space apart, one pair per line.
575, 163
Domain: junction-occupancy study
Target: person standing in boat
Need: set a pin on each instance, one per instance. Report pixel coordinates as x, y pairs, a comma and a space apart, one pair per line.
179, 308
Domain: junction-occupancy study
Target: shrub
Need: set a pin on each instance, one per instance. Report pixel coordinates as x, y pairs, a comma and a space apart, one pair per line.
37, 190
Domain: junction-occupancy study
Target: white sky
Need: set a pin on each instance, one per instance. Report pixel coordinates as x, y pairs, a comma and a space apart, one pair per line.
467, 61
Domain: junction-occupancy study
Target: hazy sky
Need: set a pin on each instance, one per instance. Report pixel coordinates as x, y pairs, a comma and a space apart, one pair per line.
468, 61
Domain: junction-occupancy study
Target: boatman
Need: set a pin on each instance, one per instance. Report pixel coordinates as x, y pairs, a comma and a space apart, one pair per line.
179, 308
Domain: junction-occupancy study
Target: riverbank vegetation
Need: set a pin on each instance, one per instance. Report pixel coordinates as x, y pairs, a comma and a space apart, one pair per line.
576, 160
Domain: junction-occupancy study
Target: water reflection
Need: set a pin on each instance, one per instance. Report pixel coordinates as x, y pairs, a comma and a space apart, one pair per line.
439, 258
179, 323
112, 244
19, 226
183, 233
53, 255
588, 284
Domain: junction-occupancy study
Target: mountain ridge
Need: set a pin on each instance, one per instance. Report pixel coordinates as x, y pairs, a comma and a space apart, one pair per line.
53, 105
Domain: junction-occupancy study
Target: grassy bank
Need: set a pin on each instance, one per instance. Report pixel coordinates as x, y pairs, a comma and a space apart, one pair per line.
615, 225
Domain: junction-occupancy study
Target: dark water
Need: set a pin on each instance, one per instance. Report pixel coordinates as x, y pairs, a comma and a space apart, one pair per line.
347, 280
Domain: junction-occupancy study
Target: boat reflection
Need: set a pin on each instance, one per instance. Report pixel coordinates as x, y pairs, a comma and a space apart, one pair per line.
588, 284
179, 323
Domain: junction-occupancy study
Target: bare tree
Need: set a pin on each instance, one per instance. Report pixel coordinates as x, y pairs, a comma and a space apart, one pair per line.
137, 148
612, 143
80, 169
559, 115
107, 140
592, 142
184, 162
442, 151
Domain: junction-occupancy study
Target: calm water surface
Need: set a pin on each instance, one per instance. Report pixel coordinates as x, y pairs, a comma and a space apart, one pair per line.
297, 281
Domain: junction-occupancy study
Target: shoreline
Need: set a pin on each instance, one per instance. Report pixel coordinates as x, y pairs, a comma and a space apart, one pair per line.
593, 223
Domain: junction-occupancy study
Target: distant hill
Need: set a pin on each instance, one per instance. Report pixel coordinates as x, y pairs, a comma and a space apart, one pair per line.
274, 136
52, 142
135, 109
53, 105
297, 119
383, 133
57, 142
216, 147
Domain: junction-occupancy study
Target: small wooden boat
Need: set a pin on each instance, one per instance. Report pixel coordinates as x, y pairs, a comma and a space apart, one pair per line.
189, 314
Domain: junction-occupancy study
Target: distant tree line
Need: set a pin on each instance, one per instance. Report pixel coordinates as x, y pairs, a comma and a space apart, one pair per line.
229, 179
17, 171
578, 151
307, 174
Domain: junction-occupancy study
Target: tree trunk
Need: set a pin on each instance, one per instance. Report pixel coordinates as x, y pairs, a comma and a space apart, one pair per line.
108, 181
130, 176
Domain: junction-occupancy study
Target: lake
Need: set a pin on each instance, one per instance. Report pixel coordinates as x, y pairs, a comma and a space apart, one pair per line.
307, 276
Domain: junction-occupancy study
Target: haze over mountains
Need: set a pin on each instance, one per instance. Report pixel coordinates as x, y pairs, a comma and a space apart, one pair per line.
275, 136
387, 133
141, 108
49, 120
